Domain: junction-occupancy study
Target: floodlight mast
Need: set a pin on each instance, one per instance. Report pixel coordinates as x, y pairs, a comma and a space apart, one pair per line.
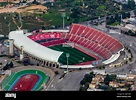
67, 55
63, 15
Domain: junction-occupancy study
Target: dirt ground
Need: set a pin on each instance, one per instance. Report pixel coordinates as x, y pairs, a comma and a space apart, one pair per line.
23, 9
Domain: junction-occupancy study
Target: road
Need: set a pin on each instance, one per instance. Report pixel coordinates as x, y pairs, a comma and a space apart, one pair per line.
70, 82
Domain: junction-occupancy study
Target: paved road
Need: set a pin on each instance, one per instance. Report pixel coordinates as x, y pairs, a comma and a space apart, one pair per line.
71, 81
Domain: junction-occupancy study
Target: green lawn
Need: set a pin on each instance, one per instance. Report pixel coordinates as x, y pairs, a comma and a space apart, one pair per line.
75, 57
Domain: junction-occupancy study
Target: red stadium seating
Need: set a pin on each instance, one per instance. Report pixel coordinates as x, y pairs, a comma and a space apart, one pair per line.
81, 29
57, 35
52, 35
102, 44
97, 41
86, 30
53, 42
74, 29
41, 36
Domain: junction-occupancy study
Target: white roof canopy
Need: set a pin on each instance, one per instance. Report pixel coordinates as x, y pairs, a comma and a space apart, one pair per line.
33, 48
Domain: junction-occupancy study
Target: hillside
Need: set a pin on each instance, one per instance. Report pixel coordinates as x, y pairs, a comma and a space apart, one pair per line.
76, 11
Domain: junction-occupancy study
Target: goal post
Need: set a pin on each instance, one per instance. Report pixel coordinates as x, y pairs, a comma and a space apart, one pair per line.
68, 45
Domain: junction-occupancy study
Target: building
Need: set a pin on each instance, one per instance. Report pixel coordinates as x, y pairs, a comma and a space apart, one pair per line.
92, 86
134, 83
122, 1
130, 27
6, 0
113, 84
131, 76
109, 47
123, 76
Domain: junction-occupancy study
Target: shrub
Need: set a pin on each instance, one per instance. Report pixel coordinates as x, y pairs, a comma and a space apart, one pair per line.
56, 72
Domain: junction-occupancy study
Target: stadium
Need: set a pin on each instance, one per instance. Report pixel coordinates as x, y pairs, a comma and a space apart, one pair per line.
79, 47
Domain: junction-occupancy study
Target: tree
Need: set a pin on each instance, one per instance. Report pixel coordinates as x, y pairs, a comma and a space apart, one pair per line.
88, 77
75, 13
82, 88
6, 67
83, 81
128, 14
112, 77
125, 15
117, 18
92, 73
35, 2
11, 64
110, 20
23, 1
107, 80
129, 50
87, 85
131, 4
135, 12
56, 72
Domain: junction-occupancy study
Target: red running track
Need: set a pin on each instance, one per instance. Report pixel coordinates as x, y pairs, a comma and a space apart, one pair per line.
26, 82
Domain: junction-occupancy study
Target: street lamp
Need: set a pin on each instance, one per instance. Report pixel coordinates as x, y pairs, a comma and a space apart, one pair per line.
63, 15
5, 63
9, 26
120, 16
5, 60
8, 6
130, 45
5, 17
20, 19
83, 58
67, 55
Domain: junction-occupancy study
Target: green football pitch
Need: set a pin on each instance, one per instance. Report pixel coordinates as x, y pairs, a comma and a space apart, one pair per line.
75, 56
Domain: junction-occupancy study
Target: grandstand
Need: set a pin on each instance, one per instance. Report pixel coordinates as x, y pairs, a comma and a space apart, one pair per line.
85, 45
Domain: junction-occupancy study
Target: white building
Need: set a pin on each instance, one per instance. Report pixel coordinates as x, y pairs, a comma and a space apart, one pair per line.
130, 27
122, 75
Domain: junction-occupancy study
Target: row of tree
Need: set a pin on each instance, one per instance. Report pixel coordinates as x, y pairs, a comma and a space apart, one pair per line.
88, 78
86, 81
117, 18
129, 32
8, 65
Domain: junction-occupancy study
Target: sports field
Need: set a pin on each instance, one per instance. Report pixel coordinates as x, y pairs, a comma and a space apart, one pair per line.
25, 80
75, 56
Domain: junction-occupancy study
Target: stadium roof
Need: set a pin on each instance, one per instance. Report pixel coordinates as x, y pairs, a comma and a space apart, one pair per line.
33, 48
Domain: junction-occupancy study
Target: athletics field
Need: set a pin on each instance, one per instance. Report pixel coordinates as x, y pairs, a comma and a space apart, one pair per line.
25, 80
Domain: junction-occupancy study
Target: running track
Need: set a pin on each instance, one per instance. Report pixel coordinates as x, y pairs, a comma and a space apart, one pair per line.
26, 82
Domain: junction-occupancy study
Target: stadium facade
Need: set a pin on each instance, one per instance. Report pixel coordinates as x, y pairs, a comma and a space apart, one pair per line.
37, 45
